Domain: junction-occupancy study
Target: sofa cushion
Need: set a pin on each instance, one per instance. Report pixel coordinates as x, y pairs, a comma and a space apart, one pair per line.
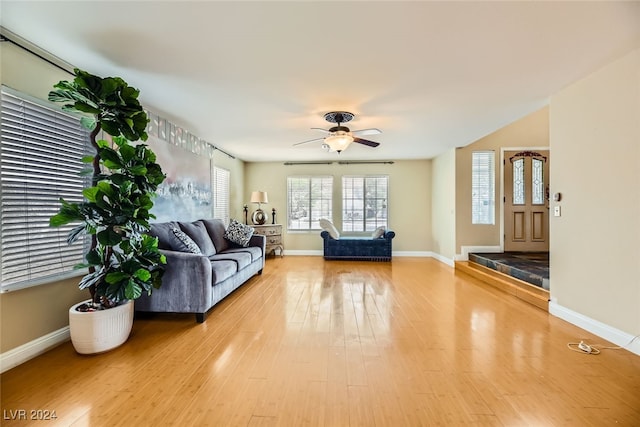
216, 229
242, 259
184, 243
254, 251
239, 234
222, 269
166, 238
197, 231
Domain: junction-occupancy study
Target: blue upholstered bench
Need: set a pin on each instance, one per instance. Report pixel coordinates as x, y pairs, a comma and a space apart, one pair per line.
357, 248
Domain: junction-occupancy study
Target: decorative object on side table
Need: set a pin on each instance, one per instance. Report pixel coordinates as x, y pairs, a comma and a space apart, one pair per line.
273, 216
123, 261
259, 197
245, 209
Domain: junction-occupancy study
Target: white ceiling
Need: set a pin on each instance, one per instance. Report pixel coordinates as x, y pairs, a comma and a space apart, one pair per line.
253, 77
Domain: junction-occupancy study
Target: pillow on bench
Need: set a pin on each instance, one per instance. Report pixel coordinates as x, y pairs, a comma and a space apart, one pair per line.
328, 226
378, 233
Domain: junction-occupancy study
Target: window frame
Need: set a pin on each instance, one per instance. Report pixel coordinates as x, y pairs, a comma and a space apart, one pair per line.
483, 187
328, 210
365, 219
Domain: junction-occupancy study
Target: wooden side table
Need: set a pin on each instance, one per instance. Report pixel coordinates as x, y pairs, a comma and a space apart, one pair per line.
273, 233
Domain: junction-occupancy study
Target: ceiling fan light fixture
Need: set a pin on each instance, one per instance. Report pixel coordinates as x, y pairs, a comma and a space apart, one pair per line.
338, 141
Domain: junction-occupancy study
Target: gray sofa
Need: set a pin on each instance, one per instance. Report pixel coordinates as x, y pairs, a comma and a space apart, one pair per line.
194, 282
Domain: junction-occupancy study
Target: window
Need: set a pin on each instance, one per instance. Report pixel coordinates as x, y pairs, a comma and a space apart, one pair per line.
518, 182
537, 182
364, 202
221, 194
40, 161
483, 187
309, 198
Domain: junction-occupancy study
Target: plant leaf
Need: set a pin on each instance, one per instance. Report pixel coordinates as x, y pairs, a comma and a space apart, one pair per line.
108, 237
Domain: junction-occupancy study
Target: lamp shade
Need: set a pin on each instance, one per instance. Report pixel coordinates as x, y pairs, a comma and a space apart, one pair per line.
338, 141
259, 197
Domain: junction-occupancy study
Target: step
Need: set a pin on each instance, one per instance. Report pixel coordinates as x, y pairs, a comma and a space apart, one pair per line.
512, 267
520, 289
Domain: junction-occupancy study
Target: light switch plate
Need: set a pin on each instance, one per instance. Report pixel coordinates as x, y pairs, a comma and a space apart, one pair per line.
556, 211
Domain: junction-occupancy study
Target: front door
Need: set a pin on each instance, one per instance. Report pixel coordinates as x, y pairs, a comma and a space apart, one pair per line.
526, 201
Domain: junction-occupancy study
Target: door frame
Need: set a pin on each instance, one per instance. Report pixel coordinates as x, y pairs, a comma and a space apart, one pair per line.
502, 195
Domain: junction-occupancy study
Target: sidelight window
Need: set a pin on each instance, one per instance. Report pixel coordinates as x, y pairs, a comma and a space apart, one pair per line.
483, 187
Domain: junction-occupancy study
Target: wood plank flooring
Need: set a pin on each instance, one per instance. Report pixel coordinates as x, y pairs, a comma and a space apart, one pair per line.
331, 343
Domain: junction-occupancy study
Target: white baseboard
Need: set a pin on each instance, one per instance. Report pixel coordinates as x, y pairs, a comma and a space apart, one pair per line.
443, 259
424, 254
596, 327
28, 351
303, 252
464, 256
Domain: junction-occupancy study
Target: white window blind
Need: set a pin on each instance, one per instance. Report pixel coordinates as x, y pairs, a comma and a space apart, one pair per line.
364, 202
483, 187
221, 194
309, 199
40, 162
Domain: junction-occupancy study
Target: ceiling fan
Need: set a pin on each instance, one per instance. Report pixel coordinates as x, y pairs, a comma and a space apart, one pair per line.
340, 137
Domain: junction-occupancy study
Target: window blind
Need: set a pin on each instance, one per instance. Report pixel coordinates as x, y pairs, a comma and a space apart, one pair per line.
40, 162
221, 194
483, 187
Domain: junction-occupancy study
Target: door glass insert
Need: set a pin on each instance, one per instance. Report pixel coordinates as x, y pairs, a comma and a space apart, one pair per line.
518, 182
537, 182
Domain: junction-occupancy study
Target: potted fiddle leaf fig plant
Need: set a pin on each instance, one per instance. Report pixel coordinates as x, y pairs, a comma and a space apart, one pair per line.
123, 260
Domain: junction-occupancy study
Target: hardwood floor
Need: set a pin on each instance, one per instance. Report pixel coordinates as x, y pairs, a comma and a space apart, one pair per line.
310, 342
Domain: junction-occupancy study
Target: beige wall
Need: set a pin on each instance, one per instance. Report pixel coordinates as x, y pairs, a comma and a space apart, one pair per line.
443, 202
409, 199
31, 313
529, 131
595, 244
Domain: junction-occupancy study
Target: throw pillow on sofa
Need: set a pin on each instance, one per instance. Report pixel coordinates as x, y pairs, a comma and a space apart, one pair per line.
239, 234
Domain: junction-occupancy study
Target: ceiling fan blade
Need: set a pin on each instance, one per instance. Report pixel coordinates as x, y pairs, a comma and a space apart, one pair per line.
366, 142
320, 129
310, 140
370, 131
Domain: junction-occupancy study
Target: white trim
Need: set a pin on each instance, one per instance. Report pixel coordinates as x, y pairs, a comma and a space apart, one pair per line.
596, 327
464, 256
303, 252
28, 351
443, 259
425, 254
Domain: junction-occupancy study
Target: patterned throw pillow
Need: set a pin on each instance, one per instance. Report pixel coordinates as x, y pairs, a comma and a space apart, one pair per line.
187, 241
239, 234
378, 233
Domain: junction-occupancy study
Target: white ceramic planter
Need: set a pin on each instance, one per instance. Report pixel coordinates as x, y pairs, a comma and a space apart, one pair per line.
99, 331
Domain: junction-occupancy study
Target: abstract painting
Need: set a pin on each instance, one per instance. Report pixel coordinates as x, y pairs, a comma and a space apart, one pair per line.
185, 195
